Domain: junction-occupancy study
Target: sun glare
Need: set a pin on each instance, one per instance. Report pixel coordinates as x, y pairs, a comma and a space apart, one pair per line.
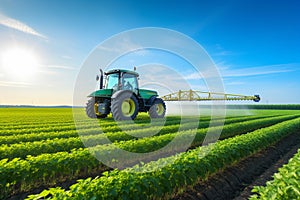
19, 62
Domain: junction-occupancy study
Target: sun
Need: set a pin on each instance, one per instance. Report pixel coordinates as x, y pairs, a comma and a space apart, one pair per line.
19, 62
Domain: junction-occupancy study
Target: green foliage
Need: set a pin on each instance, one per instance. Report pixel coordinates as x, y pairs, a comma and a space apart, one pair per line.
180, 171
267, 106
67, 140
40, 146
45, 167
285, 184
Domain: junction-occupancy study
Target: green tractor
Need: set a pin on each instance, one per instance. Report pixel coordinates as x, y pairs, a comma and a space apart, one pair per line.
121, 96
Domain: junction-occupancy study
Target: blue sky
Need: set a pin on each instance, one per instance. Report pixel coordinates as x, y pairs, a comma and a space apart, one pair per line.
255, 44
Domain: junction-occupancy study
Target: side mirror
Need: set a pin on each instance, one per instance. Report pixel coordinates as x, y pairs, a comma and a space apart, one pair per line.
97, 78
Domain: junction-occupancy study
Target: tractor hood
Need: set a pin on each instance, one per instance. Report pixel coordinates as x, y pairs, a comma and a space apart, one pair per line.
102, 93
146, 94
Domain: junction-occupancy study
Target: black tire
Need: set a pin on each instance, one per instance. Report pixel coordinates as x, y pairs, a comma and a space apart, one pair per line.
124, 106
90, 109
157, 109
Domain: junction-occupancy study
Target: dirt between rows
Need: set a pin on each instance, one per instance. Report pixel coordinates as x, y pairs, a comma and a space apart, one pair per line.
236, 182
226, 185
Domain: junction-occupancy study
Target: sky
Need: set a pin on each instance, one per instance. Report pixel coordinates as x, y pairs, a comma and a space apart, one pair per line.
255, 45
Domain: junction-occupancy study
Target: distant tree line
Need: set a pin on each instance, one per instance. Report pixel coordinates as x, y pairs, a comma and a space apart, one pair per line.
257, 106
272, 106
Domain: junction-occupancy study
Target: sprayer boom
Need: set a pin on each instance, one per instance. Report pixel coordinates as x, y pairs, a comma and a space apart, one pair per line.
191, 95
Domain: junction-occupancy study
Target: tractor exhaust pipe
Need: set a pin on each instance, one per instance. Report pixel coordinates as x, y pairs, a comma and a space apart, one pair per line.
101, 79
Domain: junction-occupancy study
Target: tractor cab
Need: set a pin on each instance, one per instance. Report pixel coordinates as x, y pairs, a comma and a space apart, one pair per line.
122, 80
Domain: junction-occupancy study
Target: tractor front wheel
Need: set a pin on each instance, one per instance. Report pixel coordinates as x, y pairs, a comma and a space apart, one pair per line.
124, 106
157, 109
91, 109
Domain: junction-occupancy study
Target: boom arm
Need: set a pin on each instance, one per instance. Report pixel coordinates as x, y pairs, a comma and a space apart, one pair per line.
191, 95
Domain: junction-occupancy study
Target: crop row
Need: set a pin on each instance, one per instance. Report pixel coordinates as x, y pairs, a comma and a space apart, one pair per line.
105, 125
57, 138
34, 115
285, 184
33, 119
36, 125
45, 127
89, 130
42, 169
68, 131
68, 140
167, 176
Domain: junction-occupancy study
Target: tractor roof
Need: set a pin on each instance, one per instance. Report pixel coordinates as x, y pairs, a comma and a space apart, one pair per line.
113, 71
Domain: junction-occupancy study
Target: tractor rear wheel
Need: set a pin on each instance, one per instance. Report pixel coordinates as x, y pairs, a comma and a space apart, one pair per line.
124, 106
91, 109
157, 109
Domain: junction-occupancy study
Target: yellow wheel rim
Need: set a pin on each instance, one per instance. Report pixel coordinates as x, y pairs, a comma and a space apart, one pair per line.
160, 109
96, 109
128, 107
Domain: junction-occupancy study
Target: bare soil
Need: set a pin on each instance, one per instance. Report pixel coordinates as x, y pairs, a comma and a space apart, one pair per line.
236, 182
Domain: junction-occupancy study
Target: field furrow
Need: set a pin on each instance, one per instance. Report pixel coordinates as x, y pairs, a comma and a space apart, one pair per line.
21, 146
179, 171
48, 169
67, 132
47, 147
285, 183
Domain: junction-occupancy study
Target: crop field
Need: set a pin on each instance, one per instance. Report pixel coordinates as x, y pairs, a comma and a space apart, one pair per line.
44, 155
285, 184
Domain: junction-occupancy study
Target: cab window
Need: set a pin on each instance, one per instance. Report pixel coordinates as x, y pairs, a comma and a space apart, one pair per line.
112, 81
129, 82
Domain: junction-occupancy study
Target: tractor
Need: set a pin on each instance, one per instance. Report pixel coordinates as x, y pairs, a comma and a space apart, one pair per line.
121, 96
